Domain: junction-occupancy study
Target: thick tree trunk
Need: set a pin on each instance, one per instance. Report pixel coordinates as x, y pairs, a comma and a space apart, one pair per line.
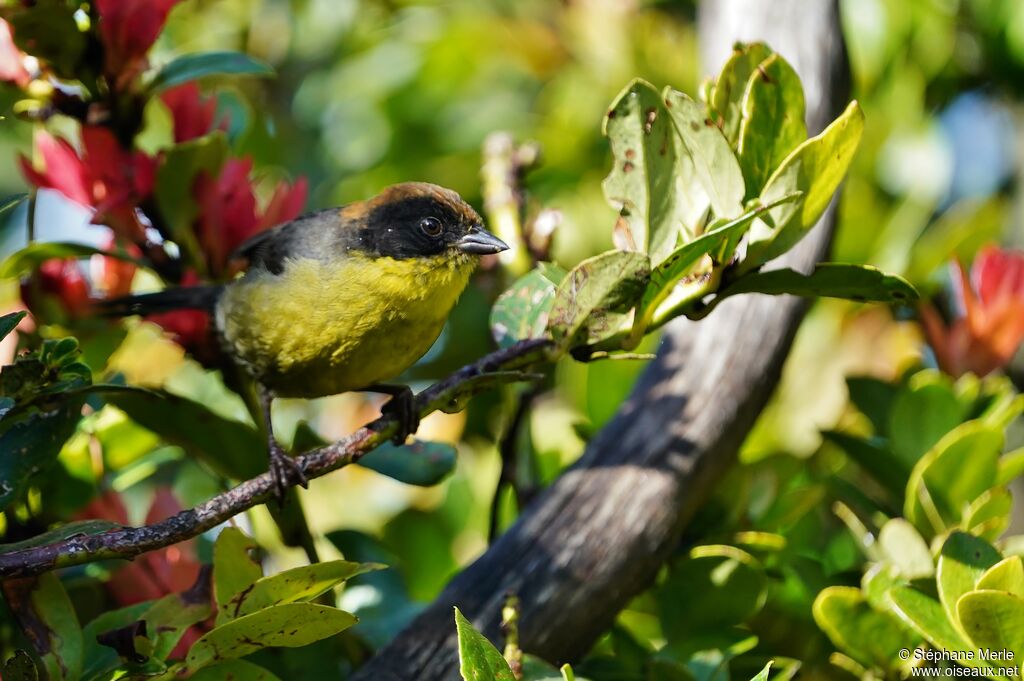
598, 535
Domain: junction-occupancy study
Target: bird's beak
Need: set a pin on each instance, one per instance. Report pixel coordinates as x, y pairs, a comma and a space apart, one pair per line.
478, 241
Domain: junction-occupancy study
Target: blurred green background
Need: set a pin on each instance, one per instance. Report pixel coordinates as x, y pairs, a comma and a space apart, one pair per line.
369, 93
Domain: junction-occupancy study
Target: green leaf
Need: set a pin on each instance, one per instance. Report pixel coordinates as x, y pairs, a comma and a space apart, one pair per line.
921, 414
816, 168
234, 569
958, 469
872, 638
873, 458
723, 583
592, 302
862, 283
994, 621
685, 259
169, 618
419, 462
234, 670
202, 64
48, 620
714, 161
298, 584
175, 183
1011, 466
28, 259
567, 673
9, 203
230, 447
479, 660
763, 674
874, 398
9, 322
730, 88
290, 626
988, 516
1006, 575
962, 562
521, 312
906, 549
927, 617
647, 183
29, 444
773, 121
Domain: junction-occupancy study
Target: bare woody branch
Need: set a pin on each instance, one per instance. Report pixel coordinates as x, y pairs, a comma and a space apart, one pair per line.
502, 366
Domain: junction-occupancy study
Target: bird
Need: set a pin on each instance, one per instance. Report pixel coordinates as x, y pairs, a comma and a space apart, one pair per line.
339, 300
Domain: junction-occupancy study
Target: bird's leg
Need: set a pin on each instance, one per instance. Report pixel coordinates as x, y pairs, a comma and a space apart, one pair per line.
282, 467
402, 406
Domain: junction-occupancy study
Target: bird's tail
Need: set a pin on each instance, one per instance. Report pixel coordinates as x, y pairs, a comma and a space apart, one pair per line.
179, 298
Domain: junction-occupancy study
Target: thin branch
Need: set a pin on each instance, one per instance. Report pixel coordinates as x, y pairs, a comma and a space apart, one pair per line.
450, 394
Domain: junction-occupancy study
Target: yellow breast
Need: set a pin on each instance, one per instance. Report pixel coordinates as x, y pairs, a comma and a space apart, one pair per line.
323, 328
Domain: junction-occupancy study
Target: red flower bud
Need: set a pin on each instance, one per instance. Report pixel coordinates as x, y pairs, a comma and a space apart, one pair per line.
128, 28
990, 326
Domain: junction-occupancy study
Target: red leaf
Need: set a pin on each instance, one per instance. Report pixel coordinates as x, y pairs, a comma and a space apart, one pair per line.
128, 28
192, 113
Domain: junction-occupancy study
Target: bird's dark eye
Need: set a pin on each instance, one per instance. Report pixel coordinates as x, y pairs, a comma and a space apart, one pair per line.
431, 226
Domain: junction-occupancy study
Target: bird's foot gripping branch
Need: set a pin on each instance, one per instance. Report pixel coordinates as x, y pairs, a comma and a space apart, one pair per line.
708, 192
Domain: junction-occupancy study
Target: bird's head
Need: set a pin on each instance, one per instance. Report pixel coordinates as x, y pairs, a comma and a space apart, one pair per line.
417, 219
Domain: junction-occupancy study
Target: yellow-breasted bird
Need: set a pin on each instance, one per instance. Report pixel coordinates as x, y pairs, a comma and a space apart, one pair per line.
341, 299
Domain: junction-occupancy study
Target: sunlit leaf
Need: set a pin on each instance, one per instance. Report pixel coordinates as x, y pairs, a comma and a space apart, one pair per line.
479, 660
726, 97
926, 616
234, 569
1006, 575
302, 583
816, 168
288, 626
202, 64
862, 283
714, 161
906, 549
522, 311
592, 301
717, 242
773, 121
963, 560
648, 181
870, 637
994, 621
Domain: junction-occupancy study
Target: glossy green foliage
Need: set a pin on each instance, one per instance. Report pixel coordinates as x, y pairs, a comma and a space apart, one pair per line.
739, 168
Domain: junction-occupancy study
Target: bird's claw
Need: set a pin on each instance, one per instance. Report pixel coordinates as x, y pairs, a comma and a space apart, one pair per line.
402, 406
284, 469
